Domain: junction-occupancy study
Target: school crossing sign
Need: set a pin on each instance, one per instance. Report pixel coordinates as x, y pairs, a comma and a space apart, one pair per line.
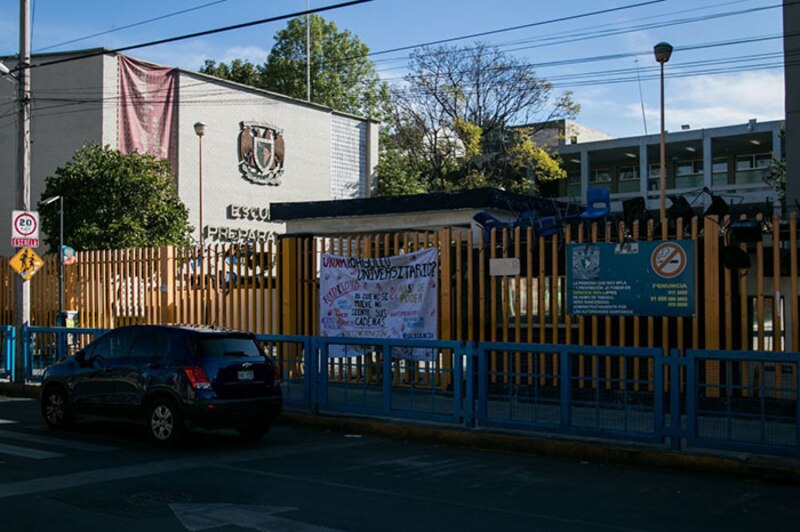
26, 263
631, 279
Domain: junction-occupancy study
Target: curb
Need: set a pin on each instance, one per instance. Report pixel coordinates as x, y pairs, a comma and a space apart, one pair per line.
765, 468
19, 390
780, 470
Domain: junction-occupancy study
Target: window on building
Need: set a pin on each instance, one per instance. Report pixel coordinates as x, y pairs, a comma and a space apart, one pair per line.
573, 185
752, 168
600, 176
686, 168
719, 170
654, 177
628, 173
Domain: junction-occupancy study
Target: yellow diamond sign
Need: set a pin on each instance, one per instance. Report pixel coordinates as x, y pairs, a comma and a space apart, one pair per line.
26, 262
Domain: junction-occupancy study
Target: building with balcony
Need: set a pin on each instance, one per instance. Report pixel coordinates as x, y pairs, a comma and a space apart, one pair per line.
731, 161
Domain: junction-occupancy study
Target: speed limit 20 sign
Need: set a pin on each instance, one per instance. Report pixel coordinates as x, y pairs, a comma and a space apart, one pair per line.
25, 229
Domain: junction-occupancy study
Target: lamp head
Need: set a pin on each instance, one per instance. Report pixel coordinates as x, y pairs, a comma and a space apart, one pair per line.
50, 200
4, 69
663, 52
200, 128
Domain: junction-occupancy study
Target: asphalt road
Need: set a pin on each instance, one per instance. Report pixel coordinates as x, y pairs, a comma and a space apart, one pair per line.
104, 477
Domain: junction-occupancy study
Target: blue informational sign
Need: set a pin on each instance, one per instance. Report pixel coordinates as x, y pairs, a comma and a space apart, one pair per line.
631, 279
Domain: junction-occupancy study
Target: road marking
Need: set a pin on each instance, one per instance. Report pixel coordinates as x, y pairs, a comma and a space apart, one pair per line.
100, 476
6, 399
434, 500
27, 453
56, 442
196, 517
7, 421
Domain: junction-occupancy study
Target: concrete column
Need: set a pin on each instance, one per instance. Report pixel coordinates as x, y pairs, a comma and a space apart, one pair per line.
584, 174
644, 166
167, 267
372, 158
791, 50
708, 166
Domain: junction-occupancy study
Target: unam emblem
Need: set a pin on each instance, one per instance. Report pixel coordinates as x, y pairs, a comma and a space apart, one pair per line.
261, 153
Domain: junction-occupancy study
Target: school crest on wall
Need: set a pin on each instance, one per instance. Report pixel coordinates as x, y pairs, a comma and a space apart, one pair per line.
261, 153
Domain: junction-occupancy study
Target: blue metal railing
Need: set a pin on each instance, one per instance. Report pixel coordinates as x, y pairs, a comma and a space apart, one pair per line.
743, 400
8, 342
731, 400
395, 378
42, 346
543, 389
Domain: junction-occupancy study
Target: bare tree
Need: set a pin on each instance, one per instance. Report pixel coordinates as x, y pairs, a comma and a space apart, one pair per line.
453, 112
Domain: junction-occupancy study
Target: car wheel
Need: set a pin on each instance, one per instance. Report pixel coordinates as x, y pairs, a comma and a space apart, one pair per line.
56, 408
255, 431
164, 422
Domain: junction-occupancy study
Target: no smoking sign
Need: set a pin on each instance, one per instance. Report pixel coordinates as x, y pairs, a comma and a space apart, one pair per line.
25, 229
668, 260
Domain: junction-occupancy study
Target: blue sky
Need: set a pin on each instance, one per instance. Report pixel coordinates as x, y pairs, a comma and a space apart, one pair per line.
708, 86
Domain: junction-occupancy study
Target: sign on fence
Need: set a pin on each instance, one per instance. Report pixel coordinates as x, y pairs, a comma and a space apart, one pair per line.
390, 297
631, 279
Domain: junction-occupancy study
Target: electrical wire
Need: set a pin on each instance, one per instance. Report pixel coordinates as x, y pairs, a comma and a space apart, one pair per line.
132, 25
193, 35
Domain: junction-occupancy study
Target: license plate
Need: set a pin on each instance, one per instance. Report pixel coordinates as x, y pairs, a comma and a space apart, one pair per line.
246, 375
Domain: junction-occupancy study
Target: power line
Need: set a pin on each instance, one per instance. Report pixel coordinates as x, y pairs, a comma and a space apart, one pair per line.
511, 28
578, 37
132, 25
198, 34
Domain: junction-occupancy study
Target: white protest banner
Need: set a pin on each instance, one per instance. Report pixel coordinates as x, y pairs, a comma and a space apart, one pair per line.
390, 297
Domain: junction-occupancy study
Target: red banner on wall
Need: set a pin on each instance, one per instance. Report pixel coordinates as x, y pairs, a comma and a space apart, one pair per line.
146, 105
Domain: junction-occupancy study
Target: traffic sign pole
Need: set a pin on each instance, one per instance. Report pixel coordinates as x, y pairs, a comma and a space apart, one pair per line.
22, 291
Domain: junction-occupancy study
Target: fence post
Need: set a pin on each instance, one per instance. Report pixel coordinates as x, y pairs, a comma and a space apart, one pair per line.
468, 405
167, 266
310, 375
27, 352
483, 385
387, 379
676, 361
565, 382
711, 301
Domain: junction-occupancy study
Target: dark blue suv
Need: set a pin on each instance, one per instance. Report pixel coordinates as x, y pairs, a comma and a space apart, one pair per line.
170, 379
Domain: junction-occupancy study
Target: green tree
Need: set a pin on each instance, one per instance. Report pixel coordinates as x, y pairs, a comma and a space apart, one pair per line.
114, 200
396, 176
240, 71
453, 119
776, 177
342, 75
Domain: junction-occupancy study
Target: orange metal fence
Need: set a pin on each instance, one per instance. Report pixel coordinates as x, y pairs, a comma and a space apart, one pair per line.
273, 288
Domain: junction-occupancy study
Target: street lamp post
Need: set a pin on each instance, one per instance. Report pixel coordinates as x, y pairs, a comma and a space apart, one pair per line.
61, 321
200, 129
663, 51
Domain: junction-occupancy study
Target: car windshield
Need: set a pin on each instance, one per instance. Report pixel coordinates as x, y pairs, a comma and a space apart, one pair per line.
227, 346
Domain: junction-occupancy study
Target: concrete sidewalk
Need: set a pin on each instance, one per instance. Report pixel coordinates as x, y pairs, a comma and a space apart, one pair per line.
744, 465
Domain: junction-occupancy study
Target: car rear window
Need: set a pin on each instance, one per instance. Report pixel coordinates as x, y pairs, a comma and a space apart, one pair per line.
227, 346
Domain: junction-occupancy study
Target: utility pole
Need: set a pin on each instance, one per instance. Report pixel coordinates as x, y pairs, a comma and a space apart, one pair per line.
308, 54
22, 301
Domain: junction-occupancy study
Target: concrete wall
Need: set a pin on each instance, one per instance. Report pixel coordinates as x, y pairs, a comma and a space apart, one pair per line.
73, 103
327, 154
